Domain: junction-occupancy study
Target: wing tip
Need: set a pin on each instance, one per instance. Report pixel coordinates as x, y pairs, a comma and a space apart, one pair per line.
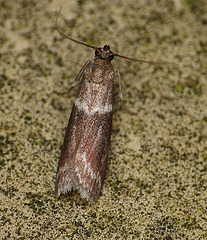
69, 182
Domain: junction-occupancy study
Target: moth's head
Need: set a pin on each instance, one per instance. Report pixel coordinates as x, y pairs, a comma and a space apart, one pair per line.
104, 53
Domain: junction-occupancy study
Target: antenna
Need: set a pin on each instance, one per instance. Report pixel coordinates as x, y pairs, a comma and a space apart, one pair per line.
70, 38
98, 49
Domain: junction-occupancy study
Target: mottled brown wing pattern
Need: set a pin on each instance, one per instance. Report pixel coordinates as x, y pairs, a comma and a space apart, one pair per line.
83, 162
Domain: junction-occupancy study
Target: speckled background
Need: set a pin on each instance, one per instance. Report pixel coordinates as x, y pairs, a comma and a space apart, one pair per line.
156, 181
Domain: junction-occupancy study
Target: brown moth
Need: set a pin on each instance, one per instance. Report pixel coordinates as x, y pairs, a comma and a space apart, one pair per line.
84, 156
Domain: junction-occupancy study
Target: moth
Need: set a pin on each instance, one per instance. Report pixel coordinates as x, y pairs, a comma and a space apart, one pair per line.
84, 155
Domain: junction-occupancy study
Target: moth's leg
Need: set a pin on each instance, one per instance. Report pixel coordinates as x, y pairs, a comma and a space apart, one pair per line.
126, 108
75, 82
120, 92
81, 73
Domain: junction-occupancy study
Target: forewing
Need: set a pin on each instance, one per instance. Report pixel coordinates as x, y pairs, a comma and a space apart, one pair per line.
92, 156
84, 155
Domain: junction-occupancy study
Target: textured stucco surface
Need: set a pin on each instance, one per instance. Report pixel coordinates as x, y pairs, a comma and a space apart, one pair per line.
155, 186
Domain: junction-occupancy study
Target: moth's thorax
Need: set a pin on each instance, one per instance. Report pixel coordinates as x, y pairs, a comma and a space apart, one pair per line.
97, 78
96, 89
101, 72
